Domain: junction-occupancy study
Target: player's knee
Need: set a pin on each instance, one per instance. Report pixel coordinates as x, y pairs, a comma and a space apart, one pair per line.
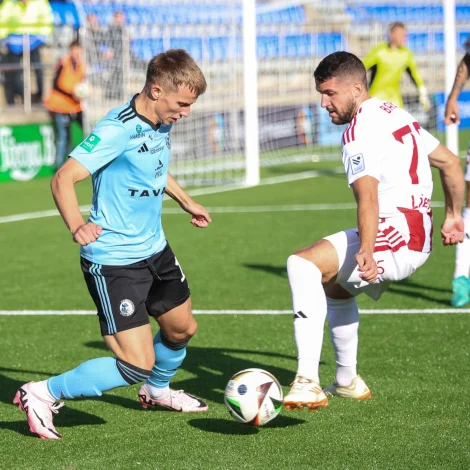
297, 262
181, 336
132, 373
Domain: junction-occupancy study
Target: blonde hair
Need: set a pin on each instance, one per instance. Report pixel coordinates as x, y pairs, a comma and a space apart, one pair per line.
173, 69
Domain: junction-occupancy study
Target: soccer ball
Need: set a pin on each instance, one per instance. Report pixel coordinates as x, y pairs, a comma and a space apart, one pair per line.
253, 396
81, 90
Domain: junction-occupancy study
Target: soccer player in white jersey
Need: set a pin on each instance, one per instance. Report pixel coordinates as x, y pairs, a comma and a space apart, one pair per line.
130, 269
461, 281
387, 158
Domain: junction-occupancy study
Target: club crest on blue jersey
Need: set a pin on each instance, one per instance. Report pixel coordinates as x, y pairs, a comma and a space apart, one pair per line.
138, 128
168, 141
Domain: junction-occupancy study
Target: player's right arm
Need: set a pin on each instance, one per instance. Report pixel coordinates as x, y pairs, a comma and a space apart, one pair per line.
63, 191
362, 160
108, 140
451, 115
366, 194
448, 164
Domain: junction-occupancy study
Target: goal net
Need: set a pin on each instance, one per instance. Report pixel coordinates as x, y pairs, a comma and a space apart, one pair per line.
292, 37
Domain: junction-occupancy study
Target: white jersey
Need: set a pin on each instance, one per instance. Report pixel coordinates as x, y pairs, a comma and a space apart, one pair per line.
387, 143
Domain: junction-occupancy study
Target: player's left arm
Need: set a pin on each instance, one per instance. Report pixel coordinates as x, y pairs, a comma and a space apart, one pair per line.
200, 217
366, 193
448, 164
412, 70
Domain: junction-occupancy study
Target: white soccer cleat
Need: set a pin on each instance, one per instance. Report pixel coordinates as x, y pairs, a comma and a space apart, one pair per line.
305, 393
177, 400
38, 411
358, 390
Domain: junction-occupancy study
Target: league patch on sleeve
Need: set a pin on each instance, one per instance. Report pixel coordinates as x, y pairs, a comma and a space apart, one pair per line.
356, 163
90, 143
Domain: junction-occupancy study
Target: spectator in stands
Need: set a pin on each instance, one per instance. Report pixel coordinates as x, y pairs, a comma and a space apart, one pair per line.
461, 281
116, 47
95, 41
388, 61
64, 100
24, 17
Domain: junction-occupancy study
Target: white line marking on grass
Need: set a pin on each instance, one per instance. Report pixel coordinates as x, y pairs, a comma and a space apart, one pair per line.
194, 192
250, 312
266, 181
214, 210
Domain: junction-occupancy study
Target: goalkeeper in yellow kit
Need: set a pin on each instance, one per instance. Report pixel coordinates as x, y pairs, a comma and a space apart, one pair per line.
388, 61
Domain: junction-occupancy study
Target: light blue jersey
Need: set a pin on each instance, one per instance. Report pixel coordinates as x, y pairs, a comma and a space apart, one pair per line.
128, 157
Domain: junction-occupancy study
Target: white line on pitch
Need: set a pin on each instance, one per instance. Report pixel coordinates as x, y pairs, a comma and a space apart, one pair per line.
194, 192
250, 312
266, 181
214, 210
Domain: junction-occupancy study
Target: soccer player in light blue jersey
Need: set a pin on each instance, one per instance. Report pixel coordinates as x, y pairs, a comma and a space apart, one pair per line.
128, 265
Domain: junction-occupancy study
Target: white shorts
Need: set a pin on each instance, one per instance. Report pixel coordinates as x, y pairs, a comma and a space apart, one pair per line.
391, 265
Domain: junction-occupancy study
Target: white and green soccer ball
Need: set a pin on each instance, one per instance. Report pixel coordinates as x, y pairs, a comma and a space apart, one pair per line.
253, 396
82, 90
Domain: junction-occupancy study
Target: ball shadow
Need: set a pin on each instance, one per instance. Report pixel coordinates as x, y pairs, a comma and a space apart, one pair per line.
228, 426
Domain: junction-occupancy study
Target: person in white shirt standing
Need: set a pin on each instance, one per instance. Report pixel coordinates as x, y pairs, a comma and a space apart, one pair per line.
387, 156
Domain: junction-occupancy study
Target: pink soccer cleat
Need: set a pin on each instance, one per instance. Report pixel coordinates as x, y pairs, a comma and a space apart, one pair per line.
177, 400
38, 411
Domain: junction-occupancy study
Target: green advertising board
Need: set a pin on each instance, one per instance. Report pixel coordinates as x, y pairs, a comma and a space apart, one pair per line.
28, 151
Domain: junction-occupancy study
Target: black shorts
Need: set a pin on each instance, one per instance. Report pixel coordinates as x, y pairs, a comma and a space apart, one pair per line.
125, 296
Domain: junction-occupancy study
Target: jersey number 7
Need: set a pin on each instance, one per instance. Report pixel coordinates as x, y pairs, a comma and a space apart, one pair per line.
399, 134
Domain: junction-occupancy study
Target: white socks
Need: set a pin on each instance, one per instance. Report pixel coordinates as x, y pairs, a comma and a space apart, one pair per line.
343, 322
309, 304
462, 253
157, 392
42, 391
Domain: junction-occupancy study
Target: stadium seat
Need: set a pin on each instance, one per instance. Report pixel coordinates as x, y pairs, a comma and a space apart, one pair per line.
65, 14
192, 45
267, 47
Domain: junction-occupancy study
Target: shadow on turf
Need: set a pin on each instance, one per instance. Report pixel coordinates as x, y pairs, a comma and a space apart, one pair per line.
225, 426
211, 368
417, 291
406, 287
66, 418
276, 270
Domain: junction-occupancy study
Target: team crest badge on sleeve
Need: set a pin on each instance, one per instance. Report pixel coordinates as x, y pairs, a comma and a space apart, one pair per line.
168, 141
356, 163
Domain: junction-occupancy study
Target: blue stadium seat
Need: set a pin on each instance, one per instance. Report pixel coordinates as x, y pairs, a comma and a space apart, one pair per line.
192, 45
219, 48
65, 14
298, 45
418, 42
187, 13
267, 47
462, 37
327, 43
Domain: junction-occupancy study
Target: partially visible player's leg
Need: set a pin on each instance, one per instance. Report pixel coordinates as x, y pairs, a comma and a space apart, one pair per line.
343, 323
126, 330
135, 357
461, 282
307, 269
169, 302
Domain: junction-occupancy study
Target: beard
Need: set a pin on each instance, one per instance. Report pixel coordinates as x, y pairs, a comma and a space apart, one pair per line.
345, 116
